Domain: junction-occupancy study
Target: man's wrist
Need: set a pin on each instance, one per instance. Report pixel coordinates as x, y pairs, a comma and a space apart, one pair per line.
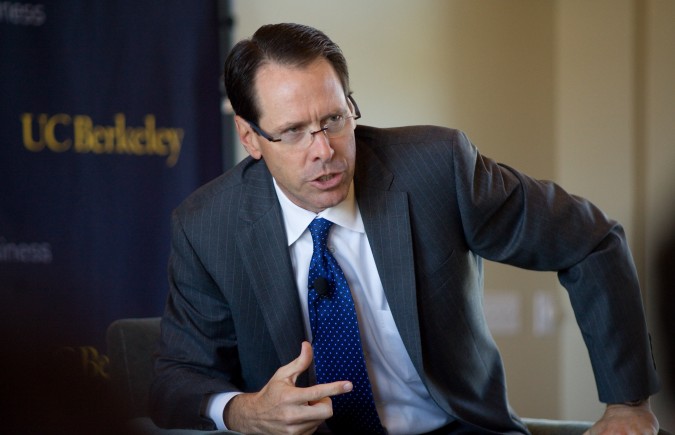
632, 403
638, 402
216, 406
232, 414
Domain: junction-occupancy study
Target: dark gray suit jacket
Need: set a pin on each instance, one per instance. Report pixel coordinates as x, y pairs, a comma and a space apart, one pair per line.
432, 208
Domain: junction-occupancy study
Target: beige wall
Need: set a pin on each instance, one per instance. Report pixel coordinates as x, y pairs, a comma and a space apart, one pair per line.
657, 156
594, 137
570, 90
616, 145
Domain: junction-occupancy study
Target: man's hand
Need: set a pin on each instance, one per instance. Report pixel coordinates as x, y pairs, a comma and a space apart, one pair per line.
281, 407
626, 419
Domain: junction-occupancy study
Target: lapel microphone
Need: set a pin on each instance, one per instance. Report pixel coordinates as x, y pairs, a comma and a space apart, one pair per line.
321, 286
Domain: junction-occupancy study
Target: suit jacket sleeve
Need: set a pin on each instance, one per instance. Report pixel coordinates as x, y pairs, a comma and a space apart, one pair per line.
188, 367
464, 206
511, 218
198, 353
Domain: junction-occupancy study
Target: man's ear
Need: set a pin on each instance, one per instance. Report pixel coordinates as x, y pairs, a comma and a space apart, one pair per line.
247, 137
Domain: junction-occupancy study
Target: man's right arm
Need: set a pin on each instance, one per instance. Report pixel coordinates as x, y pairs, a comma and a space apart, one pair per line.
197, 353
198, 357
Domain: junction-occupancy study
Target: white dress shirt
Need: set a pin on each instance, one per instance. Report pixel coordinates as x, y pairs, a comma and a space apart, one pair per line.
403, 402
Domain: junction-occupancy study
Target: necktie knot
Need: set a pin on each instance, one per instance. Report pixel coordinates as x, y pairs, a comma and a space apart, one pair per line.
319, 229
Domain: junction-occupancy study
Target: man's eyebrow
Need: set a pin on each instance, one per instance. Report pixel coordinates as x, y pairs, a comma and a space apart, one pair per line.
291, 124
295, 124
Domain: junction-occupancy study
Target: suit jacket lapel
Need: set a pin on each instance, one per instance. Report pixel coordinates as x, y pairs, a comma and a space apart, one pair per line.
386, 218
264, 247
263, 243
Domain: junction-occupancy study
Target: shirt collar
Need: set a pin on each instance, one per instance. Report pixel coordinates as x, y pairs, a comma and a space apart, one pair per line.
296, 219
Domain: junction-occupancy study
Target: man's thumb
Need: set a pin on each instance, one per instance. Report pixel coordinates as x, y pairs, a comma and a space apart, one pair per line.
300, 364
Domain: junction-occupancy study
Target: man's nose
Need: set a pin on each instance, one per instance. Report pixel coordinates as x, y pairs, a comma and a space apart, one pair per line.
321, 146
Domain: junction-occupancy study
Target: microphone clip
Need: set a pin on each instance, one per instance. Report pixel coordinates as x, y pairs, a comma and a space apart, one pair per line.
322, 287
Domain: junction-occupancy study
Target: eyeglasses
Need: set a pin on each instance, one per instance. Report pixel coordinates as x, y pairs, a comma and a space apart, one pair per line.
334, 126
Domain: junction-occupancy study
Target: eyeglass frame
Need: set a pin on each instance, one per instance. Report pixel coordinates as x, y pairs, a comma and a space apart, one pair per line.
269, 137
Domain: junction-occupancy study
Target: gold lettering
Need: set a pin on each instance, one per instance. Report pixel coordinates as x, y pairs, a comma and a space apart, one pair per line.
27, 126
93, 363
120, 134
135, 141
150, 135
175, 142
163, 141
102, 139
84, 140
49, 136
161, 145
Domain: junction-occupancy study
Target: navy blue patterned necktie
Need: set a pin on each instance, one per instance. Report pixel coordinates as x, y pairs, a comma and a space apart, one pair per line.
338, 355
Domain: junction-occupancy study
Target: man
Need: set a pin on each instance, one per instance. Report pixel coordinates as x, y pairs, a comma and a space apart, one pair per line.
413, 211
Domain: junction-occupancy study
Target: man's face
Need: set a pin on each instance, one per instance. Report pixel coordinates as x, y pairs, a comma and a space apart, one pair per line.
314, 176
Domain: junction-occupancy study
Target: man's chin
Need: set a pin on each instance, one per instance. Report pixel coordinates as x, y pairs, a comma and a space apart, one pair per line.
328, 199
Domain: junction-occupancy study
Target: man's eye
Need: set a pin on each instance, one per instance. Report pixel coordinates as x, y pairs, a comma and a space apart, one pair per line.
293, 135
334, 118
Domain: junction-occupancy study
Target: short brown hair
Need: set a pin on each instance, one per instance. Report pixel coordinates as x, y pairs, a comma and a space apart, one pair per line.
286, 44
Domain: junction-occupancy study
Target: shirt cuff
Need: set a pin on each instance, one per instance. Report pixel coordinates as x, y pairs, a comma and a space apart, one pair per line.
216, 406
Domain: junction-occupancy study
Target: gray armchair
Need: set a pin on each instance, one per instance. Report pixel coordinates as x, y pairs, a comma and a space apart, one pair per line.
132, 343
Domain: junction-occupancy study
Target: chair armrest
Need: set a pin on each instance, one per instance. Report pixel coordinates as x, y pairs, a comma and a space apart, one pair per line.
132, 344
540, 426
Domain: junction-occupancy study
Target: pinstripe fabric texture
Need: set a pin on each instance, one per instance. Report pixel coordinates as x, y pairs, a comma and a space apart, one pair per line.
433, 207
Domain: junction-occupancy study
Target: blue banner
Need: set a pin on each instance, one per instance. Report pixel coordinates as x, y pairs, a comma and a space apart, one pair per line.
109, 117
